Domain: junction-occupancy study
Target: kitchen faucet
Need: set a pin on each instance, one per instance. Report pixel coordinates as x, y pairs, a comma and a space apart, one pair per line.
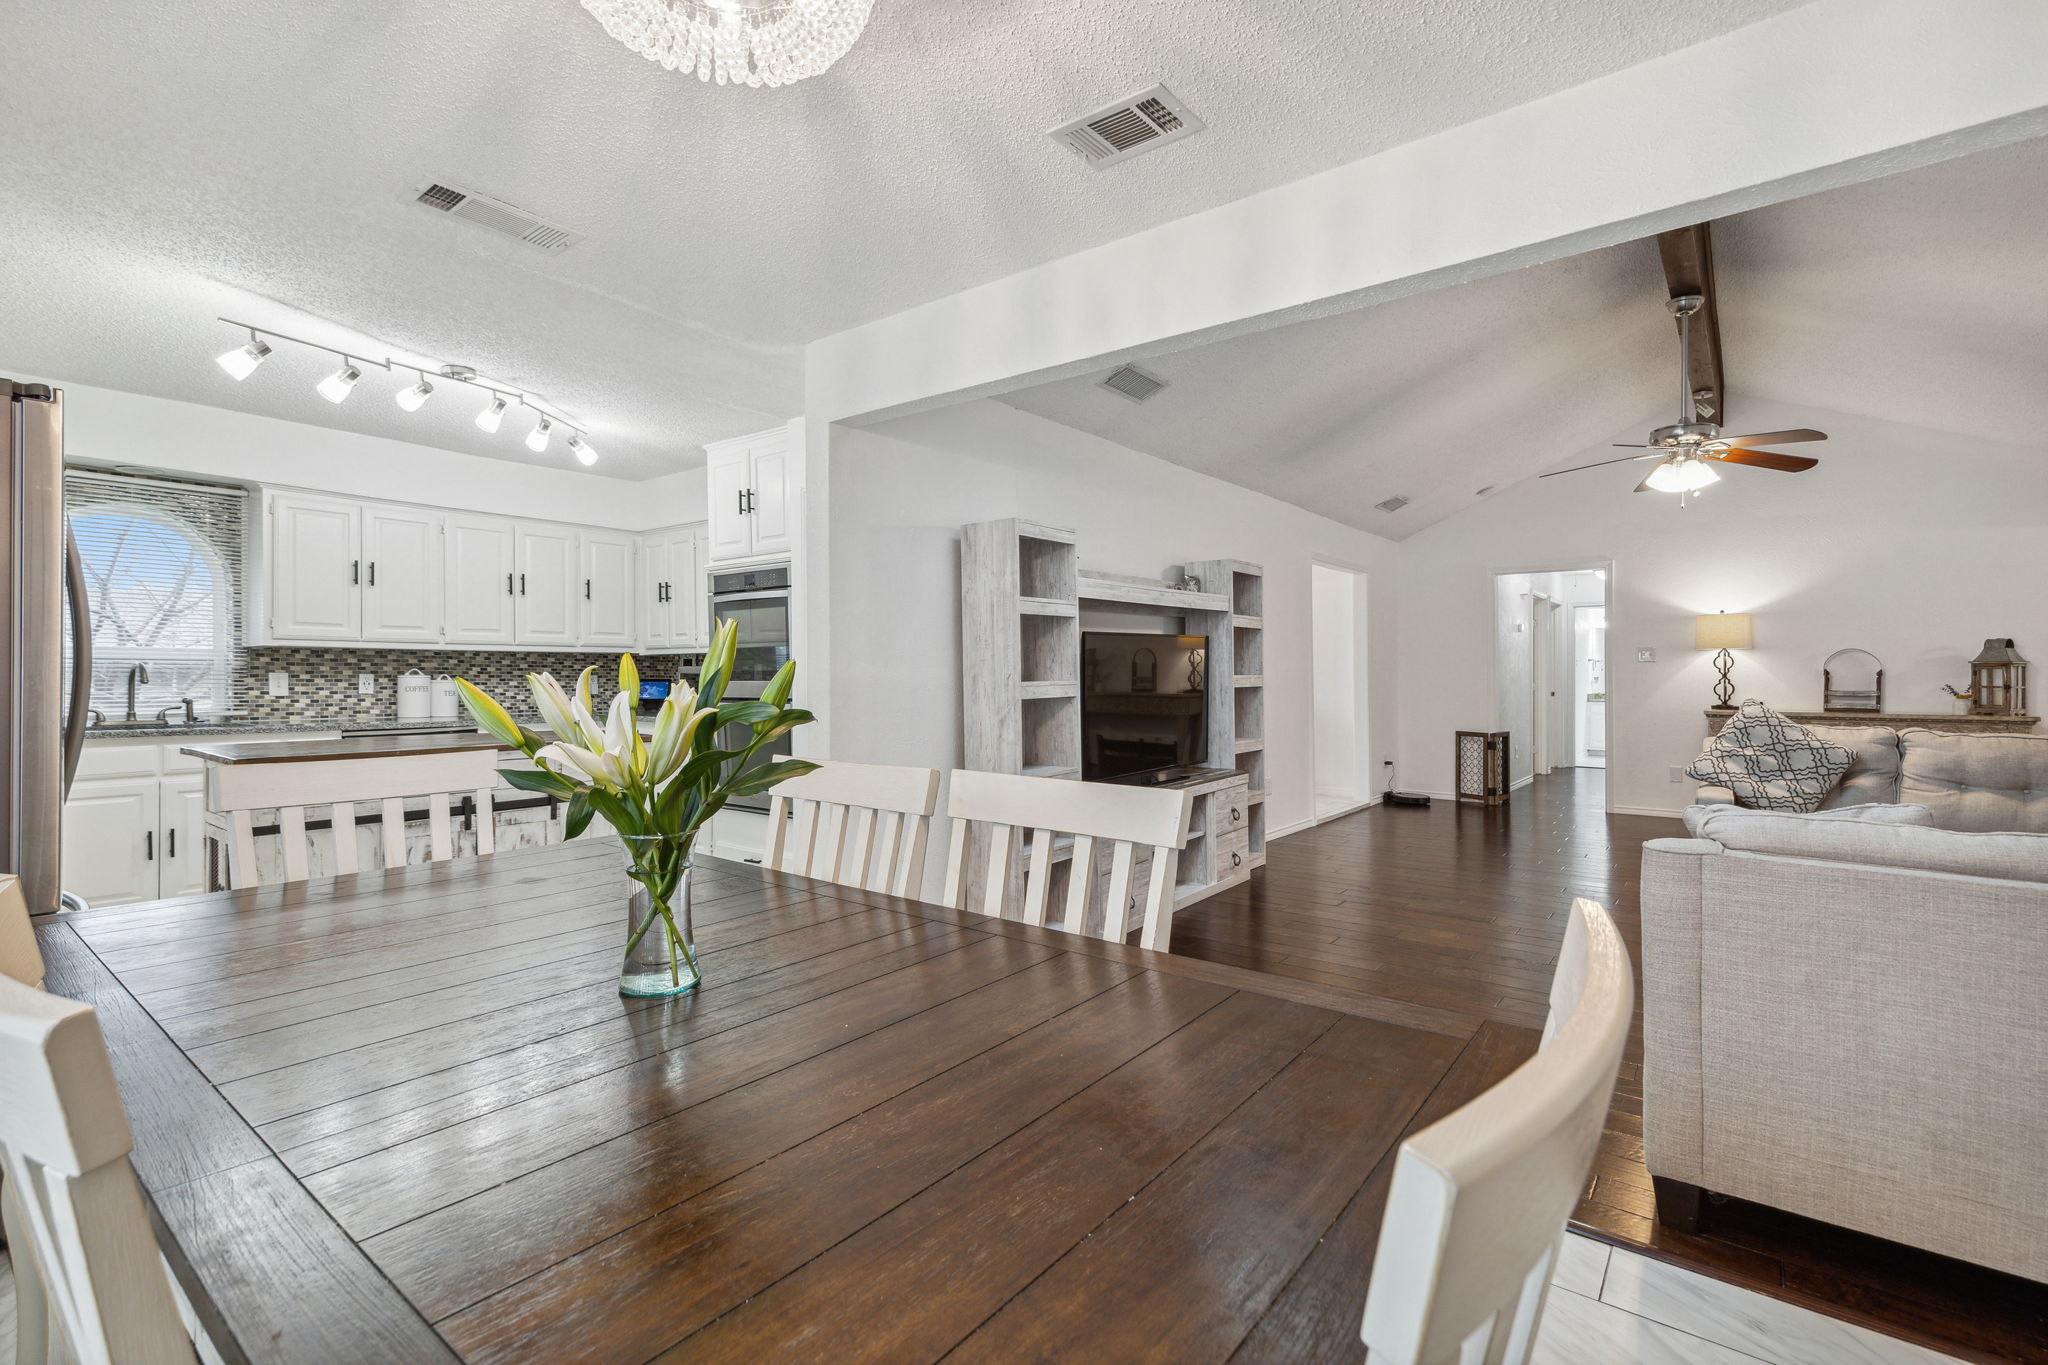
136, 674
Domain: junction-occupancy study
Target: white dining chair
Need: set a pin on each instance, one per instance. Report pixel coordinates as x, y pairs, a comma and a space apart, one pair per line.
239, 790
19, 956
1480, 1198
91, 1285
1151, 822
857, 824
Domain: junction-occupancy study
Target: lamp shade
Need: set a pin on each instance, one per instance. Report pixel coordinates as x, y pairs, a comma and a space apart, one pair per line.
1726, 630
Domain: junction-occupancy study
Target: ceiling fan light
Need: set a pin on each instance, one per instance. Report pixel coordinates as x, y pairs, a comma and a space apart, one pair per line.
241, 362
1682, 474
335, 387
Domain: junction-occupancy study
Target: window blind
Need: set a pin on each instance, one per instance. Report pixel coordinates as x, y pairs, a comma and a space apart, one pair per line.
164, 582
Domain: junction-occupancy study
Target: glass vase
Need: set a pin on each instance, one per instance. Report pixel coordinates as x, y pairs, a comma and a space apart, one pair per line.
661, 952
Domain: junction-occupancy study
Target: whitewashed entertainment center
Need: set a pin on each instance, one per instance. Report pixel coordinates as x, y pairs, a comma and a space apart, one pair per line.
1023, 600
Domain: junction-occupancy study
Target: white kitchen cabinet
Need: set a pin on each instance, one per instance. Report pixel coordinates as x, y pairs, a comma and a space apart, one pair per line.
550, 590
753, 487
181, 831
401, 575
607, 589
315, 568
111, 841
655, 632
689, 602
480, 600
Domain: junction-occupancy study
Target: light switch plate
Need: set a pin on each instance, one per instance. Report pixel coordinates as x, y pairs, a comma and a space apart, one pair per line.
1646, 656
280, 684
366, 683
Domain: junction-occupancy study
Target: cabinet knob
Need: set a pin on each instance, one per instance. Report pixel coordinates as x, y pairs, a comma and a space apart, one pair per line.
1237, 860
1236, 814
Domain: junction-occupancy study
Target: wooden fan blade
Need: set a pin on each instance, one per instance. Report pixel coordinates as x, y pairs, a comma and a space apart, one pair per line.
1633, 445
1597, 464
1775, 438
1765, 459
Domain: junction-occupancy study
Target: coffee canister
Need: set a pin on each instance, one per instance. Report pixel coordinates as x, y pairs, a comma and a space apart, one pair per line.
447, 706
415, 695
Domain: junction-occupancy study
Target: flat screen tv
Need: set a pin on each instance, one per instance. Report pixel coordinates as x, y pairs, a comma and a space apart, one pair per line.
1143, 703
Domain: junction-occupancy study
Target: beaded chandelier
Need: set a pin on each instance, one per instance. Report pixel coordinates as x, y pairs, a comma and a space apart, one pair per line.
738, 42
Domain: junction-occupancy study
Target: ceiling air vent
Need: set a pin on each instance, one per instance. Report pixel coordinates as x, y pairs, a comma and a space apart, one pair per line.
1133, 383
498, 216
1391, 504
1148, 119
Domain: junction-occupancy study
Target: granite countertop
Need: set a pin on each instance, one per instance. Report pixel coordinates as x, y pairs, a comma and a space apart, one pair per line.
359, 746
316, 725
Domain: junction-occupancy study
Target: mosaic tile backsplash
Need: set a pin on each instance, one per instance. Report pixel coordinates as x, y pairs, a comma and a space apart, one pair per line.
323, 681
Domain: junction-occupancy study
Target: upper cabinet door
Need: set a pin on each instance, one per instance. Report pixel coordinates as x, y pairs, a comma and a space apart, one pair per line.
607, 588
479, 580
550, 589
401, 575
691, 593
654, 578
315, 568
729, 473
771, 496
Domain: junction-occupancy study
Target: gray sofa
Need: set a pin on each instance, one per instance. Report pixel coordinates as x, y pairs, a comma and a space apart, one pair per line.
1846, 1014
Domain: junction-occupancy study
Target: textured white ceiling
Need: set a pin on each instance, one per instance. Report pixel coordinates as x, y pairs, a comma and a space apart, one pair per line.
168, 161
1920, 299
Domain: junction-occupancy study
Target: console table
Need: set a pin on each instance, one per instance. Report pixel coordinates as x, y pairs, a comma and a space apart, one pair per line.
1950, 723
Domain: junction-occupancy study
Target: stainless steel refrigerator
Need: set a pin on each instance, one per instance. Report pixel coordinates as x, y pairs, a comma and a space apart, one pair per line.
42, 724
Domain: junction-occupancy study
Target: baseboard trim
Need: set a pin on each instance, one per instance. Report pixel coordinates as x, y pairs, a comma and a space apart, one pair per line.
1297, 827
1528, 781
1348, 810
1664, 812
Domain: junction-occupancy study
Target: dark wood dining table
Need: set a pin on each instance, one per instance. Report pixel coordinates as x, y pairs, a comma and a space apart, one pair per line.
406, 1116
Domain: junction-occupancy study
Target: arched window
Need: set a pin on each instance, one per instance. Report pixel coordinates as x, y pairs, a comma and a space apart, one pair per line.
160, 595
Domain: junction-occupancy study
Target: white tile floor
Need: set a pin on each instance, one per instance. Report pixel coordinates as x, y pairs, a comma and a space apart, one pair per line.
1612, 1307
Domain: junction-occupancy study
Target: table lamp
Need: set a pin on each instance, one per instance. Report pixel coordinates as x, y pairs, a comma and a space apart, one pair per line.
1723, 631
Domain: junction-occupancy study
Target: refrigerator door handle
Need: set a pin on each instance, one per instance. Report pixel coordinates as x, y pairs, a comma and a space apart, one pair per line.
81, 656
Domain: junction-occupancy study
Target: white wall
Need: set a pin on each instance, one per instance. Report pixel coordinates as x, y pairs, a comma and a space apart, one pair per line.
1339, 626
900, 493
1911, 543
109, 426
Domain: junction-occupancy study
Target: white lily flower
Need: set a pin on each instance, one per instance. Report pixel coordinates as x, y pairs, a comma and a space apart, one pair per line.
578, 763
556, 710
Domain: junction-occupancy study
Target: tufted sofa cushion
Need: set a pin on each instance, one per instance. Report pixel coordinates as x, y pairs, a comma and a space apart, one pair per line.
1977, 782
1873, 774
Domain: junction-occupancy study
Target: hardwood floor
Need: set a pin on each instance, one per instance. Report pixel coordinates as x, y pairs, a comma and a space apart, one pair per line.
1462, 909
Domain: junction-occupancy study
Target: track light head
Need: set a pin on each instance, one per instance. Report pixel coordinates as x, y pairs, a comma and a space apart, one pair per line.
241, 362
584, 452
488, 419
336, 387
537, 439
411, 399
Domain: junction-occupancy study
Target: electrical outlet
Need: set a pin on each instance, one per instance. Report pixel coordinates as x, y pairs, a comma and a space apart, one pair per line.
1646, 656
366, 683
280, 684
1678, 774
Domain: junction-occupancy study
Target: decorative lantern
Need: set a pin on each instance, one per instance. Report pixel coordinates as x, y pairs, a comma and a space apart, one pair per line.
1998, 681
1483, 766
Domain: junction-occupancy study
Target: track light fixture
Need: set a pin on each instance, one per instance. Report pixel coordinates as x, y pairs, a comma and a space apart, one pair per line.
241, 362
337, 386
411, 399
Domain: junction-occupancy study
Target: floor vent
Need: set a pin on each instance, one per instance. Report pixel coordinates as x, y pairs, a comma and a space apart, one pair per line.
1391, 504
1148, 119
498, 216
1133, 383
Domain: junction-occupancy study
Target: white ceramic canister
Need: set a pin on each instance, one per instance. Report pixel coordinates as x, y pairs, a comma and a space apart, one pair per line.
447, 706
415, 690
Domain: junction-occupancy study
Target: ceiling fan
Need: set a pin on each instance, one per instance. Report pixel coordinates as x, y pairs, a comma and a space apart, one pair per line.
1687, 450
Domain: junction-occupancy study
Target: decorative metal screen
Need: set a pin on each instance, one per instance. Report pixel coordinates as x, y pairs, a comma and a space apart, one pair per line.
1483, 766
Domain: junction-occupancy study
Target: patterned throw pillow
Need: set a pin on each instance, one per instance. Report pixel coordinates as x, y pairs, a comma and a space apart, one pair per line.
1770, 763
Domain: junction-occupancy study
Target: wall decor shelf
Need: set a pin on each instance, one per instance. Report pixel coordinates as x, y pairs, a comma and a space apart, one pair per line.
1023, 593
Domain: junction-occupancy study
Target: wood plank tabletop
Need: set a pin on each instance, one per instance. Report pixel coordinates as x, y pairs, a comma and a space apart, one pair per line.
406, 1116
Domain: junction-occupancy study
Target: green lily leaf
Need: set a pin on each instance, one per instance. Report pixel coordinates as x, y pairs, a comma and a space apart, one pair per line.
548, 783
746, 713
762, 778
579, 816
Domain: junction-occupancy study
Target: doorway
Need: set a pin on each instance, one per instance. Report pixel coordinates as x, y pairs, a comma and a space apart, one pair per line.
1549, 670
1337, 616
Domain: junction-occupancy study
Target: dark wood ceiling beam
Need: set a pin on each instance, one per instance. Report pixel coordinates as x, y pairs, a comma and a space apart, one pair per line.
1688, 255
